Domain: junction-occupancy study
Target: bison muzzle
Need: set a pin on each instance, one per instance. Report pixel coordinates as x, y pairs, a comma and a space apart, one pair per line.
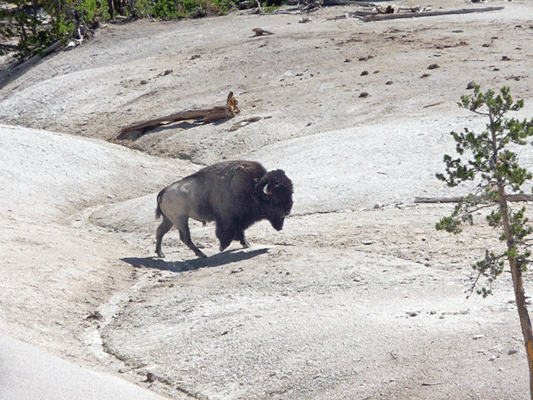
234, 194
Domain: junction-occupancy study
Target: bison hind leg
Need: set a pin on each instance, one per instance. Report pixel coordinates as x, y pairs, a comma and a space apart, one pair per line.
161, 231
185, 236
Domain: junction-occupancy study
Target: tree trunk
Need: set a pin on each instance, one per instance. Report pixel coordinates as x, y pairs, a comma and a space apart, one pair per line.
111, 7
525, 322
518, 285
34, 26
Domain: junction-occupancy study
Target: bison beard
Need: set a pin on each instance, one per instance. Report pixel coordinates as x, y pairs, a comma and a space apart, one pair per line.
234, 194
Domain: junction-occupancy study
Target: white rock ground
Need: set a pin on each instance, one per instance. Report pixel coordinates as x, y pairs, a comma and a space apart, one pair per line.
350, 300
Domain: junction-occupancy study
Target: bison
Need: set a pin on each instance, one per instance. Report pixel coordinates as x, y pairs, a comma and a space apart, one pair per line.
234, 194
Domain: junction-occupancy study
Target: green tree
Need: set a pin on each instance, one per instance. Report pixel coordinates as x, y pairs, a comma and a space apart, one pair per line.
20, 20
37, 24
492, 162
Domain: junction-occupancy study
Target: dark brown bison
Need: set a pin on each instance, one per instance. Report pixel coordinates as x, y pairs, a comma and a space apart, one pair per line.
234, 194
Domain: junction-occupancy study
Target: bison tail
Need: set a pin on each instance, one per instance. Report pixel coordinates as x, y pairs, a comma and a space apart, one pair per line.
158, 212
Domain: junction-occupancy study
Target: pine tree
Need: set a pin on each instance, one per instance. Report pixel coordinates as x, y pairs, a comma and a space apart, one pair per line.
492, 162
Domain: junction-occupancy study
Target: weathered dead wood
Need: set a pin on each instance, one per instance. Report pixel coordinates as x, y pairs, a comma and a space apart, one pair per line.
204, 115
510, 197
433, 104
247, 121
348, 3
261, 32
380, 17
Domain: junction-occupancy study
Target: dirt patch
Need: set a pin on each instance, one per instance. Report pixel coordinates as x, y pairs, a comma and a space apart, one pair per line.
308, 77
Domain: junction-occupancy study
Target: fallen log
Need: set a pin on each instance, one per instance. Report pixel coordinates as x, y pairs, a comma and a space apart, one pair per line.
380, 17
510, 197
261, 32
203, 115
247, 121
349, 2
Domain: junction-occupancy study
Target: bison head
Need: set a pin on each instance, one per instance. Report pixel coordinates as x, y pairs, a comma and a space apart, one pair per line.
274, 190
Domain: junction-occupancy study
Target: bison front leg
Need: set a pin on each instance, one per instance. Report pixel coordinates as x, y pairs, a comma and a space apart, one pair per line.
240, 237
225, 234
161, 231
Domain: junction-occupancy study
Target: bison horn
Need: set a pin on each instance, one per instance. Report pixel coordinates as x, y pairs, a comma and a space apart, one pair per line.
266, 190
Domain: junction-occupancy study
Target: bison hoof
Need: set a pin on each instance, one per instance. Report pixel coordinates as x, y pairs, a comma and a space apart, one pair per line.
160, 254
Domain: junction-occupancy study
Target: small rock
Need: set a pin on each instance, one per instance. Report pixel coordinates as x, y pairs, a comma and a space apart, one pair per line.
476, 337
433, 66
363, 95
95, 316
512, 351
471, 85
367, 242
364, 73
412, 313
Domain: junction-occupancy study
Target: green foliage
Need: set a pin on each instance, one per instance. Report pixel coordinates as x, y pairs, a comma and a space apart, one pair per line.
490, 268
39, 23
268, 7
93, 10
489, 158
168, 9
174, 9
